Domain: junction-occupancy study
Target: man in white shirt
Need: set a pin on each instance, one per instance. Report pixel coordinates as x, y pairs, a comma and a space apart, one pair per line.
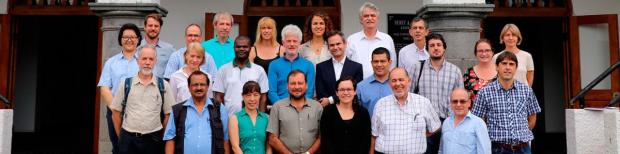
414, 52
362, 43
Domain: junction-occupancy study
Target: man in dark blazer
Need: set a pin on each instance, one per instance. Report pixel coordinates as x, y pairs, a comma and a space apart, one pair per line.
329, 71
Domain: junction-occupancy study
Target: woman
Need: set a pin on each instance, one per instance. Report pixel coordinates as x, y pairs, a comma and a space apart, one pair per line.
511, 37
482, 73
248, 127
266, 48
315, 48
345, 125
194, 57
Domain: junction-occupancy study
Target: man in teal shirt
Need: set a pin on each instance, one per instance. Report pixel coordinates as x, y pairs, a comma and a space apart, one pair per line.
221, 46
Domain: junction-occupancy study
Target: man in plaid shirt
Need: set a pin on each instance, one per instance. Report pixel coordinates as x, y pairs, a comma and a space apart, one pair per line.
509, 107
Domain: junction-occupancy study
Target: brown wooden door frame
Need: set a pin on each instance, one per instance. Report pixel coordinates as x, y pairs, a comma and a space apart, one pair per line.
594, 98
7, 61
241, 20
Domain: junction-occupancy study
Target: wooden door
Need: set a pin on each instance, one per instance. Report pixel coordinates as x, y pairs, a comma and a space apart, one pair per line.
6, 62
594, 47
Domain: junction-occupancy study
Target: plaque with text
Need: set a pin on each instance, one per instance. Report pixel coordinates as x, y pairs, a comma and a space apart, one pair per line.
398, 29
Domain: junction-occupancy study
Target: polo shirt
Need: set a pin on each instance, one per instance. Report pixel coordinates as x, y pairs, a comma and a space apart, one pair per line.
296, 129
221, 53
230, 80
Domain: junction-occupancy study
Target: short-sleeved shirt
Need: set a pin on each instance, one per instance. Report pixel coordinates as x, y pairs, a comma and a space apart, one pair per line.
506, 111
278, 77
144, 105
437, 85
221, 53
526, 63
164, 50
197, 128
310, 55
252, 137
359, 49
180, 89
402, 129
296, 129
370, 90
231, 78
411, 55
177, 61
470, 136
117, 68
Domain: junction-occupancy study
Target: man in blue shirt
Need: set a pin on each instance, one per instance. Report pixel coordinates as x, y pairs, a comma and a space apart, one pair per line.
152, 27
177, 59
281, 67
197, 127
463, 132
221, 46
376, 86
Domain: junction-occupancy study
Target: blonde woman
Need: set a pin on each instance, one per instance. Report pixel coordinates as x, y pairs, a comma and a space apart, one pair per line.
511, 37
266, 48
194, 57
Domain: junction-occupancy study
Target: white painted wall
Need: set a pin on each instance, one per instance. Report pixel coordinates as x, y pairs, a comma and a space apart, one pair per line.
3, 6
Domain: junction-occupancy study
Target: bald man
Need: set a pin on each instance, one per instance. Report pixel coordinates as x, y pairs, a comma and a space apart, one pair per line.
462, 131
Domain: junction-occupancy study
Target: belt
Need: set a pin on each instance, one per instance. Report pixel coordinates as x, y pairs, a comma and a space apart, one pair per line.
140, 135
511, 146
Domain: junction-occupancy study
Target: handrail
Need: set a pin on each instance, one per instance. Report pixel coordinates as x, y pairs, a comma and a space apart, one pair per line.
594, 82
7, 104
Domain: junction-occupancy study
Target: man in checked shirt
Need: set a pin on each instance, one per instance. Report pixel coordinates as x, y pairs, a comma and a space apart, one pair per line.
509, 107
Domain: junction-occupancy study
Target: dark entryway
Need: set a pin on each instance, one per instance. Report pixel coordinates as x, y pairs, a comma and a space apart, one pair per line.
546, 38
55, 83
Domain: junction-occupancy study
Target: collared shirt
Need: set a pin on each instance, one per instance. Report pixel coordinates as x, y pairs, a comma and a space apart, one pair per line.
370, 90
117, 68
144, 105
252, 137
164, 50
296, 129
338, 65
402, 129
359, 49
470, 136
197, 128
222, 53
307, 52
526, 63
437, 85
506, 111
278, 76
180, 89
177, 61
411, 55
230, 80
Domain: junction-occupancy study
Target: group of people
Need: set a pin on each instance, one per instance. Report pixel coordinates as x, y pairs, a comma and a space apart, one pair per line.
331, 94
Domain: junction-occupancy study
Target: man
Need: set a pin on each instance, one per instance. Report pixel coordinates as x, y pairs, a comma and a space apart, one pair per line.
119, 67
464, 132
294, 122
416, 51
363, 42
509, 107
281, 67
329, 71
221, 46
402, 121
177, 59
197, 111
231, 78
437, 79
152, 27
376, 86
137, 117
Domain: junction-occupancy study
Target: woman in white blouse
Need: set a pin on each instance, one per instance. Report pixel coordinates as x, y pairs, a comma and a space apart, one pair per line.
315, 48
194, 57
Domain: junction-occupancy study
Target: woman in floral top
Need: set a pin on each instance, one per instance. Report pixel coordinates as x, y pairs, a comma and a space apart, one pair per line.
478, 76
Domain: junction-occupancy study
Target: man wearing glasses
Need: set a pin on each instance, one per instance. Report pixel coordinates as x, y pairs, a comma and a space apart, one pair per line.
462, 131
177, 59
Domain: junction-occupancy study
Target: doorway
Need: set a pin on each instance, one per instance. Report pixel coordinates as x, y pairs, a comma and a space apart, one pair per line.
54, 83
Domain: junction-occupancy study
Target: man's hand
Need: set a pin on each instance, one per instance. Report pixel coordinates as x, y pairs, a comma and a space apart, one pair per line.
324, 101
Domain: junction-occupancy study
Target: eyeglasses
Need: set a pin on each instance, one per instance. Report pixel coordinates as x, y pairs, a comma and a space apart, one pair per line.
127, 38
346, 90
460, 101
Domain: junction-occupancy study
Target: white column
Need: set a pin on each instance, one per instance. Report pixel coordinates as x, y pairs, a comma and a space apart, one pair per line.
6, 130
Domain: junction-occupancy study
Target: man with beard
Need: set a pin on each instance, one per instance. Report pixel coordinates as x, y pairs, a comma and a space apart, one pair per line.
294, 122
414, 52
139, 118
177, 60
281, 67
231, 77
221, 46
152, 27
402, 121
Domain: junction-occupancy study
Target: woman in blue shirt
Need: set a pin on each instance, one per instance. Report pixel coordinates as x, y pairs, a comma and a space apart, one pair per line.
248, 127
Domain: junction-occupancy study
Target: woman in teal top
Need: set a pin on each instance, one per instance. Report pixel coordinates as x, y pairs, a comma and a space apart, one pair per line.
248, 127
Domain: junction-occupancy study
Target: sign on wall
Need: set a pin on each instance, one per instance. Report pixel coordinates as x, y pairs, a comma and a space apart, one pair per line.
398, 28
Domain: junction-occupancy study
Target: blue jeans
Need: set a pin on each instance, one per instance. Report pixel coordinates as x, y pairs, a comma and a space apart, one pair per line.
499, 150
111, 132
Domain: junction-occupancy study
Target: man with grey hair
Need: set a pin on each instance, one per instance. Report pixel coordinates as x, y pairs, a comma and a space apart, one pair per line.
362, 43
279, 68
416, 51
220, 47
177, 59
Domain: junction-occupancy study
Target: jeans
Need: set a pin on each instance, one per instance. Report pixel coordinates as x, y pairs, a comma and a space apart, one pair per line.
111, 131
499, 150
152, 143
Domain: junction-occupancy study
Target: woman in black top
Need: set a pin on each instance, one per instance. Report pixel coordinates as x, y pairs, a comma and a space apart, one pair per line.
266, 48
345, 125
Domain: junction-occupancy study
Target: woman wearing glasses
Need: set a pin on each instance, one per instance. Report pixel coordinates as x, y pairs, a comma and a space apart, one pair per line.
482, 73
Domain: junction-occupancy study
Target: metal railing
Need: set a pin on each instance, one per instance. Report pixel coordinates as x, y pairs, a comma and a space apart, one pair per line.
580, 96
7, 104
